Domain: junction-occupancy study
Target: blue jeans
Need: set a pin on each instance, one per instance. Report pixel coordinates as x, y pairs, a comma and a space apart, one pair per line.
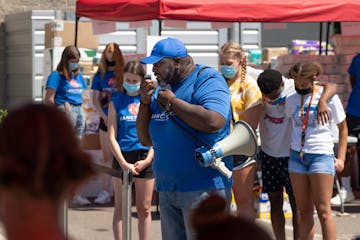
175, 209
76, 116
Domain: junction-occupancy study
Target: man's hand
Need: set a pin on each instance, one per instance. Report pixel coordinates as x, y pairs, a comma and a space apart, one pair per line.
164, 98
146, 90
322, 113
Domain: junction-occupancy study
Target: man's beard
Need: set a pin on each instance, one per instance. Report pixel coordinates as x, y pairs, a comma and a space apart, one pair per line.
168, 78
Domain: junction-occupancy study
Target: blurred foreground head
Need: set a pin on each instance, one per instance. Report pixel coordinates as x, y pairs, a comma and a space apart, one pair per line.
40, 155
211, 220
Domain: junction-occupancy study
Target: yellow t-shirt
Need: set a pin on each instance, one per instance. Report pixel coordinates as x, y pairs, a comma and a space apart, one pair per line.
244, 94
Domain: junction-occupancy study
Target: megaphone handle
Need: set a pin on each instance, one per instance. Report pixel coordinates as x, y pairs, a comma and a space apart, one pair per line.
220, 166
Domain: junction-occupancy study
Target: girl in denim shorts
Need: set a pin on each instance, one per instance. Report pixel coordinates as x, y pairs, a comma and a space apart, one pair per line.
312, 163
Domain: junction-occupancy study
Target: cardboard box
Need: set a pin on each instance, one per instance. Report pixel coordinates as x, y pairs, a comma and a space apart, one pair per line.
59, 33
91, 141
269, 53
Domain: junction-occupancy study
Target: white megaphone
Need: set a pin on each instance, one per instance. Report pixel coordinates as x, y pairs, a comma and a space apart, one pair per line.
242, 141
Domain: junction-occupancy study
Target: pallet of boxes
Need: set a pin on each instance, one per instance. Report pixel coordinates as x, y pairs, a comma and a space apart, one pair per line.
58, 35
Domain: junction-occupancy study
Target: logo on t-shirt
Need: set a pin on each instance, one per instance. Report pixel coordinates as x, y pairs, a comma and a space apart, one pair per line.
74, 83
133, 108
111, 82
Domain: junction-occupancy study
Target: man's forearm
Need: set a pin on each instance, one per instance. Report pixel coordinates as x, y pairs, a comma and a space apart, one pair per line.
197, 116
142, 125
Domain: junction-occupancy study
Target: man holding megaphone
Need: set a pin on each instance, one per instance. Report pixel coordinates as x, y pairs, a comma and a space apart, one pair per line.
190, 109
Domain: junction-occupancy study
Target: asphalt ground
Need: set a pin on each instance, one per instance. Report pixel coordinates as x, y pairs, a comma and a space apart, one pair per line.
95, 223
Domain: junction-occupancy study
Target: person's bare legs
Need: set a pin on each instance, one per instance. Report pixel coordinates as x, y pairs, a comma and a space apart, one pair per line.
144, 191
107, 157
303, 195
243, 182
117, 223
295, 218
277, 214
321, 189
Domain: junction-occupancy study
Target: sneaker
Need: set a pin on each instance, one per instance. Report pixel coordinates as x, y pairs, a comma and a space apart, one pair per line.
103, 197
346, 197
79, 200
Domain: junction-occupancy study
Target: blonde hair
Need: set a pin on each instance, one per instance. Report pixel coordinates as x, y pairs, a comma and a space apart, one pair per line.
119, 63
234, 50
307, 70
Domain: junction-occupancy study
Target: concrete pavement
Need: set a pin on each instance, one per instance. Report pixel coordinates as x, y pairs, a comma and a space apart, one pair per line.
95, 223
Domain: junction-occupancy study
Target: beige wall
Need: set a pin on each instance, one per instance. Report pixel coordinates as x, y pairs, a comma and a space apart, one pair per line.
16, 6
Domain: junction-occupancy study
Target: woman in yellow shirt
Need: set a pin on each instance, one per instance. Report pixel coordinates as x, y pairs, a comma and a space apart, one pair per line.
246, 105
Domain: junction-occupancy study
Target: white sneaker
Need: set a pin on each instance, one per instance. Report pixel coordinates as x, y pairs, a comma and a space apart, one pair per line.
346, 197
79, 200
103, 197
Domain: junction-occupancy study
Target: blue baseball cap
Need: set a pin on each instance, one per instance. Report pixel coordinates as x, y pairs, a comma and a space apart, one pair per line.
166, 48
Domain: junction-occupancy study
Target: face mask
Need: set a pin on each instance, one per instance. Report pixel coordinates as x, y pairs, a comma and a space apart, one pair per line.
130, 88
73, 66
228, 71
110, 63
303, 91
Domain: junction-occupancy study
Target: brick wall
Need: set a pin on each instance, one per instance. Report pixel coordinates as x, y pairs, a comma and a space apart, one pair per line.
16, 6
335, 66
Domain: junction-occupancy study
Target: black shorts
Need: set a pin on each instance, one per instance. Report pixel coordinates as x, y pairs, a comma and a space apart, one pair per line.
275, 174
102, 125
133, 157
242, 161
353, 124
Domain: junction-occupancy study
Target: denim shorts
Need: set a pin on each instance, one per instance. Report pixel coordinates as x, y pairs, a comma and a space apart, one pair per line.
312, 163
175, 210
77, 118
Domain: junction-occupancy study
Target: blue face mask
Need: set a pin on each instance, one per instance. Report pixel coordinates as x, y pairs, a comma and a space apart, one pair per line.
130, 88
228, 71
73, 66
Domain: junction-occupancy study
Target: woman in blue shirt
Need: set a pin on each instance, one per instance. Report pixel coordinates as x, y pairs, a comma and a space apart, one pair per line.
106, 81
128, 152
64, 89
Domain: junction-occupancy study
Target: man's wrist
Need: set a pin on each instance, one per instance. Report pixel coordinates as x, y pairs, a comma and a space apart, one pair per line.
169, 104
142, 102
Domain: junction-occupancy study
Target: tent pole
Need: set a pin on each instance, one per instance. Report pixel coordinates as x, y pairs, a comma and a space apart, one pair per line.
160, 26
76, 30
320, 37
327, 37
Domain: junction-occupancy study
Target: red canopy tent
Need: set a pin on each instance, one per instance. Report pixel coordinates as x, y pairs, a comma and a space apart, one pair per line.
221, 10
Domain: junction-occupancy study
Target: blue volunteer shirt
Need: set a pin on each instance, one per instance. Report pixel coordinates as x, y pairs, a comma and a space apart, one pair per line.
106, 85
66, 90
353, 106
127, 108
175, 166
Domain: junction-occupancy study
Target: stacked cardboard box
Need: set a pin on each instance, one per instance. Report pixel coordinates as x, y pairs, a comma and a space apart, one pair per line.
269, 53
59, 33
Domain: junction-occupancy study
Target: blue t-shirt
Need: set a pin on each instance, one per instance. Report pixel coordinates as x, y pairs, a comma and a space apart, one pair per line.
353, 106
106, 86
127, 108
66, 90
175, 166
